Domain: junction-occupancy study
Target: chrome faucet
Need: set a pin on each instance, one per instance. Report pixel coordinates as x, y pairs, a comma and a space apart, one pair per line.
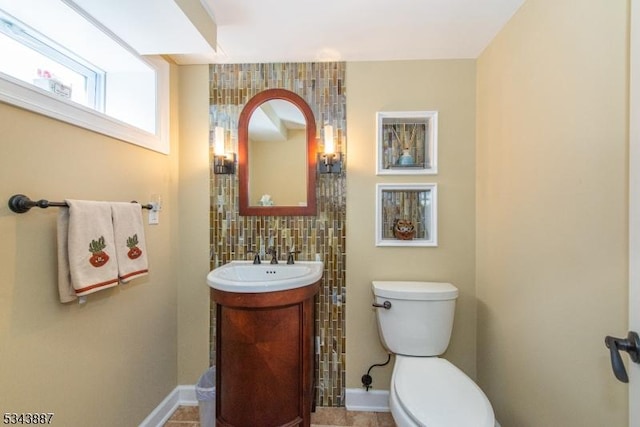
274, 254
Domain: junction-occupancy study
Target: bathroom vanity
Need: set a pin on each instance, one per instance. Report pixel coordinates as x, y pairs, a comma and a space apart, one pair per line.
264, 352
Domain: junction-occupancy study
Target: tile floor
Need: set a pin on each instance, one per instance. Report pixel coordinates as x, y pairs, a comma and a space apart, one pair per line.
187, 416
184, 416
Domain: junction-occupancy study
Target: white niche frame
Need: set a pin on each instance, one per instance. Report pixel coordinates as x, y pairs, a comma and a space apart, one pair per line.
417, 203
416, 131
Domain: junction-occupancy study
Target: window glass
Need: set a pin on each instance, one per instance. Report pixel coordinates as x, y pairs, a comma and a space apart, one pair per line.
65, 65
36, 60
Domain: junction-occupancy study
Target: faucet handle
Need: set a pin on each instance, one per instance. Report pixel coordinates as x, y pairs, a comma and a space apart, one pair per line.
256, 257
290, 258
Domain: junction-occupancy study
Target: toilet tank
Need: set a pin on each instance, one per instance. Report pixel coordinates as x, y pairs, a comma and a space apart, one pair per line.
420, 319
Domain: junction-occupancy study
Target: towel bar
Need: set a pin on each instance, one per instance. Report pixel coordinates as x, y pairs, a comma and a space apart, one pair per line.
19, 203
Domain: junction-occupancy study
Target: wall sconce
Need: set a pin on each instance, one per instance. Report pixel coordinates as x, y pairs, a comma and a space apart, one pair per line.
329, 161
223, 163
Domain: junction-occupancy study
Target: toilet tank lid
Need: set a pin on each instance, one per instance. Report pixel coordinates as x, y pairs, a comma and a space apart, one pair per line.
409, 290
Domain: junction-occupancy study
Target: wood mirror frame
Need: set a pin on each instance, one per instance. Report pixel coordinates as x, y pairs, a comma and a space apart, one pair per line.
246, 208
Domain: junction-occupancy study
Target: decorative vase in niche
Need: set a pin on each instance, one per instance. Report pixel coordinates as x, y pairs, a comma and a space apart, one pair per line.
406, 159
403, 229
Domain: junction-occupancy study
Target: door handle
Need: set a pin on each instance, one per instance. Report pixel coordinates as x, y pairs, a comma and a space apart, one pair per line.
631, 345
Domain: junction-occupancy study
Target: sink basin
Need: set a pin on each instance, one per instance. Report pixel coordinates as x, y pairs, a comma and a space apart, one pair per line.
247, 277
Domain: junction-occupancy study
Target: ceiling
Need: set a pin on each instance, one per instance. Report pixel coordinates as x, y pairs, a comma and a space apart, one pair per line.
272, 121
251, 31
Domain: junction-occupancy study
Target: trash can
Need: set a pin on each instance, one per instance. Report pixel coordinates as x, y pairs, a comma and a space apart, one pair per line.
206, 395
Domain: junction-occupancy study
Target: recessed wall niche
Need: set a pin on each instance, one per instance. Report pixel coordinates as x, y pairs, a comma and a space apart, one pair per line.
321, 236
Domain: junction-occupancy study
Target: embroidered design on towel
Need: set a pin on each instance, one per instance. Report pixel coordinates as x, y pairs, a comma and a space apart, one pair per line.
98, 256
134, 250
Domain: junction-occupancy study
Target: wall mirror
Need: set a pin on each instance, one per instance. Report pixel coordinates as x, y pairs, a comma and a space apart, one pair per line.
277, 155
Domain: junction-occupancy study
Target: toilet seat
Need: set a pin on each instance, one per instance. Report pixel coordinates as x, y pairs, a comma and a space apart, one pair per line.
433, 392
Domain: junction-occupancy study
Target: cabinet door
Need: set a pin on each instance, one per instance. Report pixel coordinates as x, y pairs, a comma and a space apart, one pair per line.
260, 360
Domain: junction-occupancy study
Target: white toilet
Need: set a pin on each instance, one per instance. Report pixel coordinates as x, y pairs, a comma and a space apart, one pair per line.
425, 389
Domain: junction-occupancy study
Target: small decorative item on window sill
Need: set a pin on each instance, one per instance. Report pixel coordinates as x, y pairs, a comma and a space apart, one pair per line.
48, 81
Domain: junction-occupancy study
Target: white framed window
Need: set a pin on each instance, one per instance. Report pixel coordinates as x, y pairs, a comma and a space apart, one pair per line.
66, 66
40, 61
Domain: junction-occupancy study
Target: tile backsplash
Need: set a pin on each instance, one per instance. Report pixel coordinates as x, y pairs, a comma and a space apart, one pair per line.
321, 236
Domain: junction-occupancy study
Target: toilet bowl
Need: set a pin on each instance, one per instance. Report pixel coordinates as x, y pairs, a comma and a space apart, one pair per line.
415, 320
430, 391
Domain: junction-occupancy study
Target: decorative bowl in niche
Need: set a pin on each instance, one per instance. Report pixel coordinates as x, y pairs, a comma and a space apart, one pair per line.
247, 277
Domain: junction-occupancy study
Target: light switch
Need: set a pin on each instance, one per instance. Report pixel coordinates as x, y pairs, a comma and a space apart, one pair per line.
154, 212
154, 217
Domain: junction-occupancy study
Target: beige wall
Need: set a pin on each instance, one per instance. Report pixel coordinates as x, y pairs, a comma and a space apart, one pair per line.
279, 168
552, 213
111, 361
193, 224
449, 87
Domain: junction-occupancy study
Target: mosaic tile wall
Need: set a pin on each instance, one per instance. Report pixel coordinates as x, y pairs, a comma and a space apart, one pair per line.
233, 236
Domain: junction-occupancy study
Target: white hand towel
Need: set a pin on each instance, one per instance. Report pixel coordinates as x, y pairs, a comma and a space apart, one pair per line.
131, 250
90, 263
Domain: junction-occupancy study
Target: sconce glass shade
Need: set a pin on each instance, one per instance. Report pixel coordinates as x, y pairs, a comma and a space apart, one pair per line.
329, 147
223, 164
218, 147
329, 161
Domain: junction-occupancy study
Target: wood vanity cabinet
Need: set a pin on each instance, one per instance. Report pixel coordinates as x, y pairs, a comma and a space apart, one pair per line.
265, 357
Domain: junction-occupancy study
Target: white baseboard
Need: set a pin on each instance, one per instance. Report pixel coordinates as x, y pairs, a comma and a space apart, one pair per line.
182, 395
357, 399
185, 395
